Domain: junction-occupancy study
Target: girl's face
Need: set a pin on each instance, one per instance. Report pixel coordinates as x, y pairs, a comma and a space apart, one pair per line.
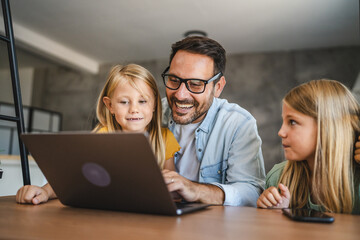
299, 134
132, 110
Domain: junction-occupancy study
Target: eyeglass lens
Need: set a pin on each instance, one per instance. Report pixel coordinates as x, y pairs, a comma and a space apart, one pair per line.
195, 86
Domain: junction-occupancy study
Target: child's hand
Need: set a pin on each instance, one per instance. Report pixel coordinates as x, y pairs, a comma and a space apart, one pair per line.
271, 198
32, 194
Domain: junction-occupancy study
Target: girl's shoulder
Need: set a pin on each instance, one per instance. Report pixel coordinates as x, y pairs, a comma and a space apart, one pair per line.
102, 130
273, 176
169, 139
165, 132
171, 145
277, 169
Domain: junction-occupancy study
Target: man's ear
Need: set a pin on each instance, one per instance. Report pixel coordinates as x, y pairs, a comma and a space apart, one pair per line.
107, 102
219, 86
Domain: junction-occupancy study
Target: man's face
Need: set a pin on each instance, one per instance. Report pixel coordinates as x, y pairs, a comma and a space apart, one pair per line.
189, 107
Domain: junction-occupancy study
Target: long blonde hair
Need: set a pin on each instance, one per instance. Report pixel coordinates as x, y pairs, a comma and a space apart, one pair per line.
130, 74
336, 111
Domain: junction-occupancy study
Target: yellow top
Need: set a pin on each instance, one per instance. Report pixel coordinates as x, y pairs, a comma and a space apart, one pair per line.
171, 145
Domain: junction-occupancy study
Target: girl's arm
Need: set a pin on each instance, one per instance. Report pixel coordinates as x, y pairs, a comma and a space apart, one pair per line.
35, 194
271, 198
169, 164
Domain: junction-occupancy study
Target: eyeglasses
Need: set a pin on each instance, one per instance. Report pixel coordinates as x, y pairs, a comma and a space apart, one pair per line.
193, 85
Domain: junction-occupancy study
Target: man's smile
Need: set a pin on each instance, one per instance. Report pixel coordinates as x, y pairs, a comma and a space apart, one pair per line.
184, 106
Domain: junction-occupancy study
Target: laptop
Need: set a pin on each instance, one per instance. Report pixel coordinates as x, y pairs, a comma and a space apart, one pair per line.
109, 171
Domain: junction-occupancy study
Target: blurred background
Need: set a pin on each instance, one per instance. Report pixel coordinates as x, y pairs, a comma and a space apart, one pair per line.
66, 48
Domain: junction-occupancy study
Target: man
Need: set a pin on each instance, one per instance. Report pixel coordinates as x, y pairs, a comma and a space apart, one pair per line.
221, 160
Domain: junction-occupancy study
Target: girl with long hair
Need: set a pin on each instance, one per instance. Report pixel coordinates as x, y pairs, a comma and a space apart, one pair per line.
129, 102
320, 124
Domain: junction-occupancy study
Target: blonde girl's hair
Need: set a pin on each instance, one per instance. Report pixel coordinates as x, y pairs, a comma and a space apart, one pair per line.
132, 73
336, 111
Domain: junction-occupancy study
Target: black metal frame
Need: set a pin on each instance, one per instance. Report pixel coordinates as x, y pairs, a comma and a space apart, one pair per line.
29, 122
19, 119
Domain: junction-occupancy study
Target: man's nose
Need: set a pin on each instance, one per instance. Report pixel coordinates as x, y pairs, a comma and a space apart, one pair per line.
182, 92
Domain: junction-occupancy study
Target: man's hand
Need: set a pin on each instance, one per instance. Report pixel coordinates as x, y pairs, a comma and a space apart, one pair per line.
271, 198
191, 191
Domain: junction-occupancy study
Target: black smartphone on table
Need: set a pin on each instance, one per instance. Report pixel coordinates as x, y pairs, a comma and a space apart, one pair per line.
307, 215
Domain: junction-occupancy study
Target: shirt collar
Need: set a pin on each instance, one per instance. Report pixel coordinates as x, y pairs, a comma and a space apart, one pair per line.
210, 116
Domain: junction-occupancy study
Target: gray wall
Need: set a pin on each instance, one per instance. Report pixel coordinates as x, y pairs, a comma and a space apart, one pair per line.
256, 81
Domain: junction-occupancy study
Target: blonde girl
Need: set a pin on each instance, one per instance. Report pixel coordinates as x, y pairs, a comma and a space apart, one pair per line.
129, 102
320, 123
140, 111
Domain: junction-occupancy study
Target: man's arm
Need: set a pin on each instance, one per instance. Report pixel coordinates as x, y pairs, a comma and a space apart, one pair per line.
245, 173
244, 177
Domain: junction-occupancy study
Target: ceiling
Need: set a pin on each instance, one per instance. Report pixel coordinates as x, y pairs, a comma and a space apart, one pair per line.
87, 33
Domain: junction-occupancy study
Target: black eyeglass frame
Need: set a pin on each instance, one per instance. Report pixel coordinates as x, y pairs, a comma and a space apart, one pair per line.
215, 77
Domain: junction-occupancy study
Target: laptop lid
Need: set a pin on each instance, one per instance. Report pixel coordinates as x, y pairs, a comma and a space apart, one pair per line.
112, 171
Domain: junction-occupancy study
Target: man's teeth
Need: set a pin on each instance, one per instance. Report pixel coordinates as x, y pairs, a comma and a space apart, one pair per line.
184, 105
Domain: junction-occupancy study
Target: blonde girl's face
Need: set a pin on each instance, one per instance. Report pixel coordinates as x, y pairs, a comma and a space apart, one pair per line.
133, 111
298, 133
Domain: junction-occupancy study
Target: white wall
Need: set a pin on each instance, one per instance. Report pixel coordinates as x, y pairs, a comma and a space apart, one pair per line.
12, 178
26, 84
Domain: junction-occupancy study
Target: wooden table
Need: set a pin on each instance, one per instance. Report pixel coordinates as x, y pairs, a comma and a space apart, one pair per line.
56, 221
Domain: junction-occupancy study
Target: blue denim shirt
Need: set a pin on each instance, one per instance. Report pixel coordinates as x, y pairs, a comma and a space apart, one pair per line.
229, 150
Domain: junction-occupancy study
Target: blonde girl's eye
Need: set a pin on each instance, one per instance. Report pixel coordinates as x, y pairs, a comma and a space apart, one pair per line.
124, 102
142, 101
292, 122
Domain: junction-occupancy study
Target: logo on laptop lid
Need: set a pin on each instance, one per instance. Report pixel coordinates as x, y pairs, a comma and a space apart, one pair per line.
96, 174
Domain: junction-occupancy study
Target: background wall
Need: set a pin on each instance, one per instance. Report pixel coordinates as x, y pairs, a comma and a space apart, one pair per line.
26, 83
256, 81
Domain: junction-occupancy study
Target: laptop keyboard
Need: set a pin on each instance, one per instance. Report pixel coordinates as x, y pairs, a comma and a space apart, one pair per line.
181, 205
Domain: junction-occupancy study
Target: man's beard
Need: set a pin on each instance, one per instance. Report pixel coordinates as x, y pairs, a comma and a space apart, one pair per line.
183, 119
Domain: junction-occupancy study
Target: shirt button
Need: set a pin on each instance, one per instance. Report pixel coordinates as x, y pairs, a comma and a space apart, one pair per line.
198, 130
219, 172
171, 122
200, 149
